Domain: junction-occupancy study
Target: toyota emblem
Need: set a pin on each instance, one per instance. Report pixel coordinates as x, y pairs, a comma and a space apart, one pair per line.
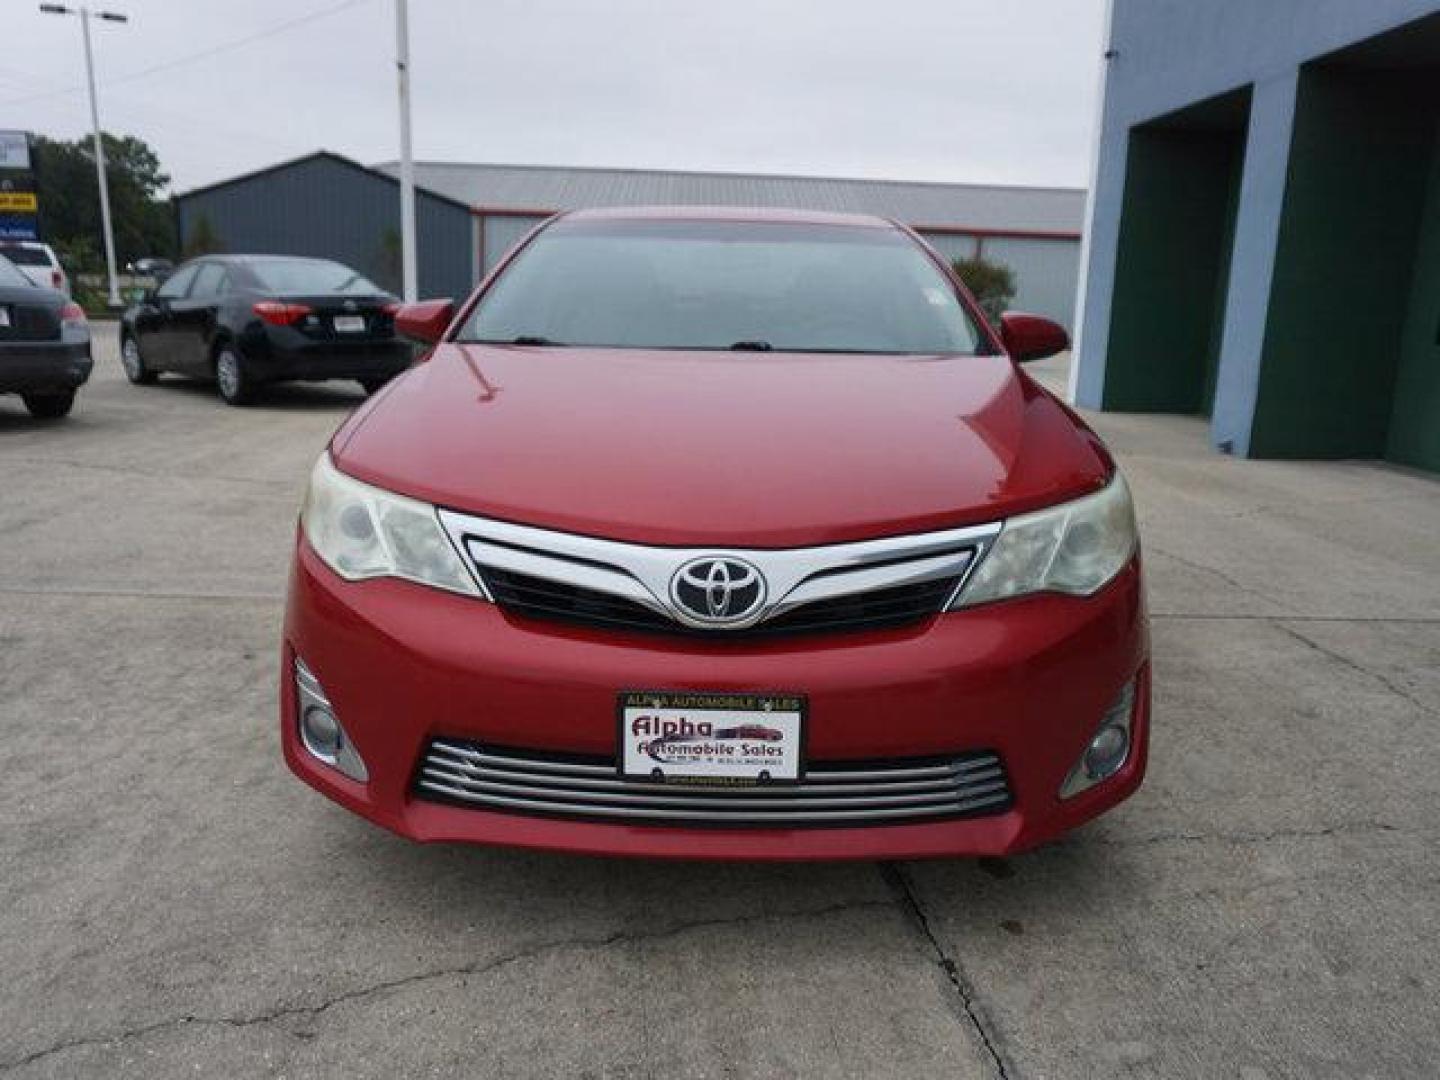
717, 590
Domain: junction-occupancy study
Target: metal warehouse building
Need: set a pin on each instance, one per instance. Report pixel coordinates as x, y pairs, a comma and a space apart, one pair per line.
1265, 238
468, 216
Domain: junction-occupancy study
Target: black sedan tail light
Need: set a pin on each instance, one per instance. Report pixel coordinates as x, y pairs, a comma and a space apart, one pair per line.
279, 313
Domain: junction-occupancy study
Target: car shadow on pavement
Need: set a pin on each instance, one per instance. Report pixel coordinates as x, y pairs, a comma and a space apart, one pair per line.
461, 887
15, 420
333, 394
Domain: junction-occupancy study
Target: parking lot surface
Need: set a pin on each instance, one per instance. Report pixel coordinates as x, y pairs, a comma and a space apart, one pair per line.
173, 903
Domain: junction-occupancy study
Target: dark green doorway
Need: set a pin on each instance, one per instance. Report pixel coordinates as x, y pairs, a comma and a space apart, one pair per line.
1177, 228
1351, 359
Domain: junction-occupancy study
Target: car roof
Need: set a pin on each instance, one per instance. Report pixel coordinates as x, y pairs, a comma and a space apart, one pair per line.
729, 213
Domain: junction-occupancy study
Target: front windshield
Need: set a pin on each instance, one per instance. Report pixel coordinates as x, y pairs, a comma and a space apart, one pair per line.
298, 276
724, 285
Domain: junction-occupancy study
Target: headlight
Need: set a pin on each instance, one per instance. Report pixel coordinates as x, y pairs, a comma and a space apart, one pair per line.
1075, 548
363, 532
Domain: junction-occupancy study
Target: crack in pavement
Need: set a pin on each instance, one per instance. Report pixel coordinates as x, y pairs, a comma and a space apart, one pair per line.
529, 952
1214, 572
1328, 505
894, 876
1257, 837
144, 594
152, 474
1398, 691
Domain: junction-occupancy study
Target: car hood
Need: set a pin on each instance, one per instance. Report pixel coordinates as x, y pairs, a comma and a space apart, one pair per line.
723, 449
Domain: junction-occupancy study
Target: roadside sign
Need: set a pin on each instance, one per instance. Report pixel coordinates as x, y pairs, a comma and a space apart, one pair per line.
19, 205
14, 150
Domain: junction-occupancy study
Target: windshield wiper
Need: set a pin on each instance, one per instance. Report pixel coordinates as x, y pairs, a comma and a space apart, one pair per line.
519, 339
751, 346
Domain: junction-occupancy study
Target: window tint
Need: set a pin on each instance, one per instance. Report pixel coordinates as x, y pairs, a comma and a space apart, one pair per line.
309, 276
22, 255
176, 284
10, 275
723, 284
210, 281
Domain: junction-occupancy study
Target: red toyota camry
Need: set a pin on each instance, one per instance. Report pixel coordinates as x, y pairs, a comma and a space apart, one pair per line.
670, 474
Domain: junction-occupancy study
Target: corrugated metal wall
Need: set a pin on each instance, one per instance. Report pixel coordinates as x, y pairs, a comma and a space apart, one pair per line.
328, 207
929, 205
952, 245
324, 207
1046, 274
501, 232
1046, 271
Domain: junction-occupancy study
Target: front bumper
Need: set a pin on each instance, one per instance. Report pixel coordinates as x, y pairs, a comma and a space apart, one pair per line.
39, 366
1030, 679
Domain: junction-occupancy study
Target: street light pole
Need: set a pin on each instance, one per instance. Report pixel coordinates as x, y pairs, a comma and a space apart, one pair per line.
108, 16
407, 163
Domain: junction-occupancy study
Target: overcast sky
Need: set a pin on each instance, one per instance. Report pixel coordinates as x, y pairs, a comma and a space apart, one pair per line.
966, 90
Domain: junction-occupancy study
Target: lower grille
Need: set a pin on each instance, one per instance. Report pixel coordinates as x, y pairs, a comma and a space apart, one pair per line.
880, 609
831, 794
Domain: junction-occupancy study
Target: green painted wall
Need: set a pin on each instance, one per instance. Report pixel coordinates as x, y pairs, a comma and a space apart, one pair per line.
1176, 226
1359, 163
1415, 417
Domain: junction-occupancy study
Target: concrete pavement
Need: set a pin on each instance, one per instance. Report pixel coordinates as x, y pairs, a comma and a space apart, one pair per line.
173, 902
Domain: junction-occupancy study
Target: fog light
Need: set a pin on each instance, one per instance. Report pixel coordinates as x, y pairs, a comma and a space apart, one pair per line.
1106, 752
1108, 749
321, 732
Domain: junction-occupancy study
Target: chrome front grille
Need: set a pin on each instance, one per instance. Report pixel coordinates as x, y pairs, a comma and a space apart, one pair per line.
881, 609
834, 794
609, 584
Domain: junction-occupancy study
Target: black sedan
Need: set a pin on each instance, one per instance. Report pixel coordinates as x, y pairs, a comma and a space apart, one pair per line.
248, 320
44, 344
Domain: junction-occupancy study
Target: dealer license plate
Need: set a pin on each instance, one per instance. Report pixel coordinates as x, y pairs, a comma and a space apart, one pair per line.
349, 324
707, 738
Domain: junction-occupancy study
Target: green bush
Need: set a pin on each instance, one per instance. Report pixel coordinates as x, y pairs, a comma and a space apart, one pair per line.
991, 283
79, 255
93, 300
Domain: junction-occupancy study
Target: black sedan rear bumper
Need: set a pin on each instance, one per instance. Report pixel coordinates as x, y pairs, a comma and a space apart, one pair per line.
328, 360
28, 367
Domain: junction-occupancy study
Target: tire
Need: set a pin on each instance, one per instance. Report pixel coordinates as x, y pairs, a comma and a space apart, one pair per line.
134, 363
49, 406
233, 378
373, 384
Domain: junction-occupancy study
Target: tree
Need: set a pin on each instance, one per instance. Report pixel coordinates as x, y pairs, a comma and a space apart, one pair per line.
203, 240
991, 283
70, 198
388, 270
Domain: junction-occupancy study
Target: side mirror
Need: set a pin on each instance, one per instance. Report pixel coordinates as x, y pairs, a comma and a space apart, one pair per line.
1031, 337
425, 321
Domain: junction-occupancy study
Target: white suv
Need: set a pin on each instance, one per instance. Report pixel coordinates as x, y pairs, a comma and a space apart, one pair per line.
36, 261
